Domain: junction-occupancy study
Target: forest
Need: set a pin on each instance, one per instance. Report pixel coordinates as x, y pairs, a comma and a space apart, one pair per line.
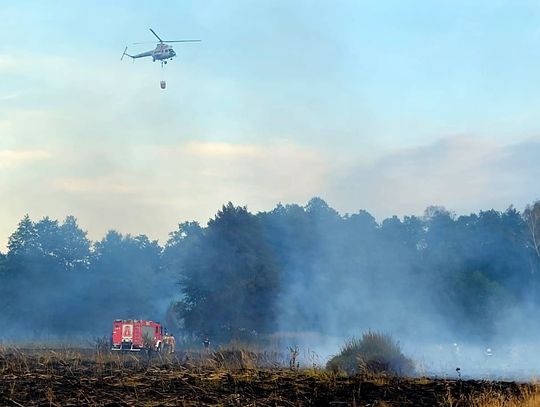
292, 269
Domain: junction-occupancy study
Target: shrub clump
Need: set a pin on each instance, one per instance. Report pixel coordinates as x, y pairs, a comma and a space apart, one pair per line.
375, 353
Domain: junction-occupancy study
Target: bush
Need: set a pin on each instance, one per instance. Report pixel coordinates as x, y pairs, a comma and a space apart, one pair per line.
375, 353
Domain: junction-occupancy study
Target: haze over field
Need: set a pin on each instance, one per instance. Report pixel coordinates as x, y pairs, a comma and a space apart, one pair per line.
387, 106
457, 291
416, 123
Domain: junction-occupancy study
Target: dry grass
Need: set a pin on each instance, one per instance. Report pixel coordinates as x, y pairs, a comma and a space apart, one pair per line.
230, 376
524, 395
529, 397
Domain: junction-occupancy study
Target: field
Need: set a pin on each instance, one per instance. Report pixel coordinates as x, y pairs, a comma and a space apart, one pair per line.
75, 377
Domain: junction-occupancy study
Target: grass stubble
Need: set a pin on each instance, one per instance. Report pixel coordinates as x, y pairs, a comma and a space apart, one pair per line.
226, 377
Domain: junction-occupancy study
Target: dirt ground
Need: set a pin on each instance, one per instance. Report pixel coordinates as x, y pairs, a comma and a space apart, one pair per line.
74, 379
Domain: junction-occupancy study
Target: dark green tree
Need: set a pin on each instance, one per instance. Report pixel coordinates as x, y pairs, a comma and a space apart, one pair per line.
230, 279
125, 279
39, 260
23, 242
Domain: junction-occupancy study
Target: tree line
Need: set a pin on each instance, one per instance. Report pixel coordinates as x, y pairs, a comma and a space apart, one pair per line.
294, 268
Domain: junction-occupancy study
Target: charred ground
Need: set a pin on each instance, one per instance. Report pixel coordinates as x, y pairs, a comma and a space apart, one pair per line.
85, 377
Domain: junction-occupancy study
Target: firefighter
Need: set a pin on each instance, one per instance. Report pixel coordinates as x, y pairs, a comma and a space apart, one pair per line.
206, 342
166, 343
172, 343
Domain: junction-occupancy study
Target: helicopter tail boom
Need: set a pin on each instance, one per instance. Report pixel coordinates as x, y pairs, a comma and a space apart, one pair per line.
125, 54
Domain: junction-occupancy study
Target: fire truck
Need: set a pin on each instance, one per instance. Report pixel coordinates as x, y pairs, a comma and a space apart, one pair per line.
137, 335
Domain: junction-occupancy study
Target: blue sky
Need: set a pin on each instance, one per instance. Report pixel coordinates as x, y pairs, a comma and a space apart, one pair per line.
422, 102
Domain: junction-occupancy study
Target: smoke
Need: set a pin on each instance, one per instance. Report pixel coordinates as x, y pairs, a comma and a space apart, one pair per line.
455, 291
57, 285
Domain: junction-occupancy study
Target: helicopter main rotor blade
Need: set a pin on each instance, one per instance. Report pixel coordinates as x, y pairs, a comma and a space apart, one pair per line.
157, 36
184, 41
153, 42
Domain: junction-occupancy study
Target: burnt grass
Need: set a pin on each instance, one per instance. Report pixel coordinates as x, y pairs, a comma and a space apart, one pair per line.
69, 378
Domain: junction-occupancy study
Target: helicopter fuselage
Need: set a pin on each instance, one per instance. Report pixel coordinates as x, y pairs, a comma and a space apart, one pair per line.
162, 52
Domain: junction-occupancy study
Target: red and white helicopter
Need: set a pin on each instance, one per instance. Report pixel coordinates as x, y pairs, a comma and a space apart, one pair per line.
163, 52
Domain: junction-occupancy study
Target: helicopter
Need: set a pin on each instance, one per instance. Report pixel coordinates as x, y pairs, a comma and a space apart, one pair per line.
163, 52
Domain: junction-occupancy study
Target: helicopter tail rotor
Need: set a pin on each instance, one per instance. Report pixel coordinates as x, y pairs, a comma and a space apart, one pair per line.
126, 54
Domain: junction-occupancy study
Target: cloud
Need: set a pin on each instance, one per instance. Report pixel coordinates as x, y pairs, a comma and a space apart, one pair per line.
92, 185
150, 188
465, 174
7, 63
13, 158
132, 157
9, 97
210, 149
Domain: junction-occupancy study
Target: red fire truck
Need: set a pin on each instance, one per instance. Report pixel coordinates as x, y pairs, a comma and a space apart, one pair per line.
137, 335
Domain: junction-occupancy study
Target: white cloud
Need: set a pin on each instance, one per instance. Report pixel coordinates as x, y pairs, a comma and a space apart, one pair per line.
12, 158
465, 174
100, 116
149, 188
210, 149
7, 62
152, 188
100, 185
9, 97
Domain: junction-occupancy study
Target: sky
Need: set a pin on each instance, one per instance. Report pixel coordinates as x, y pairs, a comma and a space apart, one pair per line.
387, 106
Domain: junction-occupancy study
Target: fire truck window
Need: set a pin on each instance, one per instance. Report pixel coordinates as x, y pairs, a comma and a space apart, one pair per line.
157, 329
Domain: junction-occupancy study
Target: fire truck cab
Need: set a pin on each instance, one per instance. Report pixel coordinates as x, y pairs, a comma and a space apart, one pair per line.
136, 335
